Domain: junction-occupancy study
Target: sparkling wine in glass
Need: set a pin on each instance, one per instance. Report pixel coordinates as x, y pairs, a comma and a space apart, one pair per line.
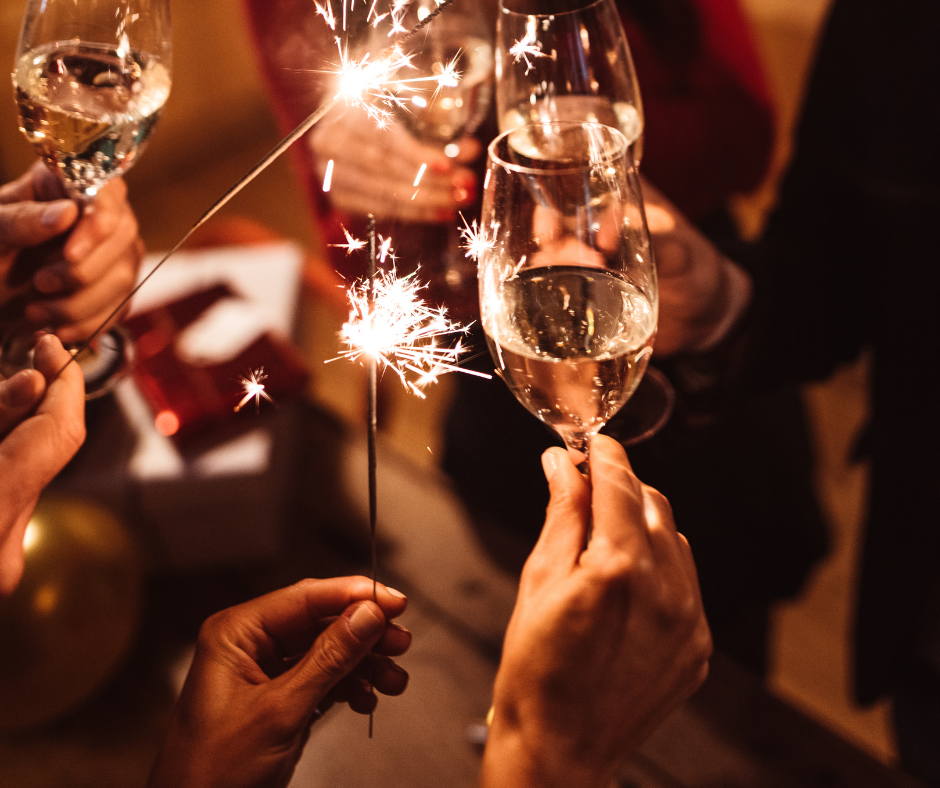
566, 60
457, 41
91, 79
568, 295
457, 47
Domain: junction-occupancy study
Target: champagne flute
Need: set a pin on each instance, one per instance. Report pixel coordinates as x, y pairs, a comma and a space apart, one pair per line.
457, 48
91, 80
568, 295
566, 60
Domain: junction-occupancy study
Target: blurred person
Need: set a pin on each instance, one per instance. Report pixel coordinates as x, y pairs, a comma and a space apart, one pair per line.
604, 641
708, 135
846, 267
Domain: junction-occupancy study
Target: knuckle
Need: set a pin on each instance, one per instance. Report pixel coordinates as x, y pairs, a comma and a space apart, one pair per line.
331, 658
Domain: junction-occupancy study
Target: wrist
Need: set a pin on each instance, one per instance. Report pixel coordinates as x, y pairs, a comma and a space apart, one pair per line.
731, 302
517, 758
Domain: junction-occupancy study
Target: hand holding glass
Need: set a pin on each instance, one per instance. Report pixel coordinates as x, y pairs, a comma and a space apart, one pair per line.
568, 295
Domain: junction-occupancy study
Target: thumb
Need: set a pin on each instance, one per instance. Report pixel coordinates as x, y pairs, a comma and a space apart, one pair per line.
568, 517
31, 223
338, 650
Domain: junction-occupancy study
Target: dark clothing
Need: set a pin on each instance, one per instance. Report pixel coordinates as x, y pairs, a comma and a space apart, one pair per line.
851, 262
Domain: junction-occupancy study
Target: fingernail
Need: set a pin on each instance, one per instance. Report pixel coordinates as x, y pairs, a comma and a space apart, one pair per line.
364, 623
54, 211
395, 592
18, 391
549, 465
441, 167
45, 281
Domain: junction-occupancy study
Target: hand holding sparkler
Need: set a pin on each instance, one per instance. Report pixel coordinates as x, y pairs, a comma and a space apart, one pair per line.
246, 710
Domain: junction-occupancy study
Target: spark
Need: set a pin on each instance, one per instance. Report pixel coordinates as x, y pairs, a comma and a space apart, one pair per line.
449, 76
326, 11
352, 244
527, 46
476, 241
385, 250
375, 84
253, 386
401, 332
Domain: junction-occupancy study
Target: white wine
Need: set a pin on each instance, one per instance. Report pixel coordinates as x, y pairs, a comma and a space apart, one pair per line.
88, 109
571, 343
454, 109
580, 108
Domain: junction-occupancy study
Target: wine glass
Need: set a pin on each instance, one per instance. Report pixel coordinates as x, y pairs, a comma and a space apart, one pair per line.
91, 80
457, 49
566, 60
568, 296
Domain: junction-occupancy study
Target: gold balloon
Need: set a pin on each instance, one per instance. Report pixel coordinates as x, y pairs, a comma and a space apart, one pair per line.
74, 616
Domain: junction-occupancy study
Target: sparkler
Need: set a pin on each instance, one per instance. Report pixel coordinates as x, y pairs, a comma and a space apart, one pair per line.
476, 241
527, 46
253, 386
393, 326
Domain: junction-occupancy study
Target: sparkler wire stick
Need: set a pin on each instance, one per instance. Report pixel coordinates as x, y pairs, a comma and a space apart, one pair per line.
305, 125
372, 365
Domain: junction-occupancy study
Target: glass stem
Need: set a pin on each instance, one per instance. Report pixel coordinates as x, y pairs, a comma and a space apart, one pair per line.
578, 445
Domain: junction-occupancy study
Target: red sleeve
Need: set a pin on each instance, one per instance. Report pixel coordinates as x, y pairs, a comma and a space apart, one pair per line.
293, 45
709, 120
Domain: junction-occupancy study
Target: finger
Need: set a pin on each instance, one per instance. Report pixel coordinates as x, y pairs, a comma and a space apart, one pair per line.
661, 527
109, 217
386, 184
11, 547
567, 519
382, 673
39, 183
394, 642
83, 310
40, 446
617, 501
19, 394
337, 652
32, 223
301, 606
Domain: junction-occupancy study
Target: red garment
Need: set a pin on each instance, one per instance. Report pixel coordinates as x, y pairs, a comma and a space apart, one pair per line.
709, 123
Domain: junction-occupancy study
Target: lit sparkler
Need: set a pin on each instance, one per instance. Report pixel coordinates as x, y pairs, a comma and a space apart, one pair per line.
476, 241
527, 46
401, 332
253, 386
352, 244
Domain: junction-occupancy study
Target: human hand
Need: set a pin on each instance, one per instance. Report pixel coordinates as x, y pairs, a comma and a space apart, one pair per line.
71, 283
604, 640
701, 292
375, 170
35, 446
264, 671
